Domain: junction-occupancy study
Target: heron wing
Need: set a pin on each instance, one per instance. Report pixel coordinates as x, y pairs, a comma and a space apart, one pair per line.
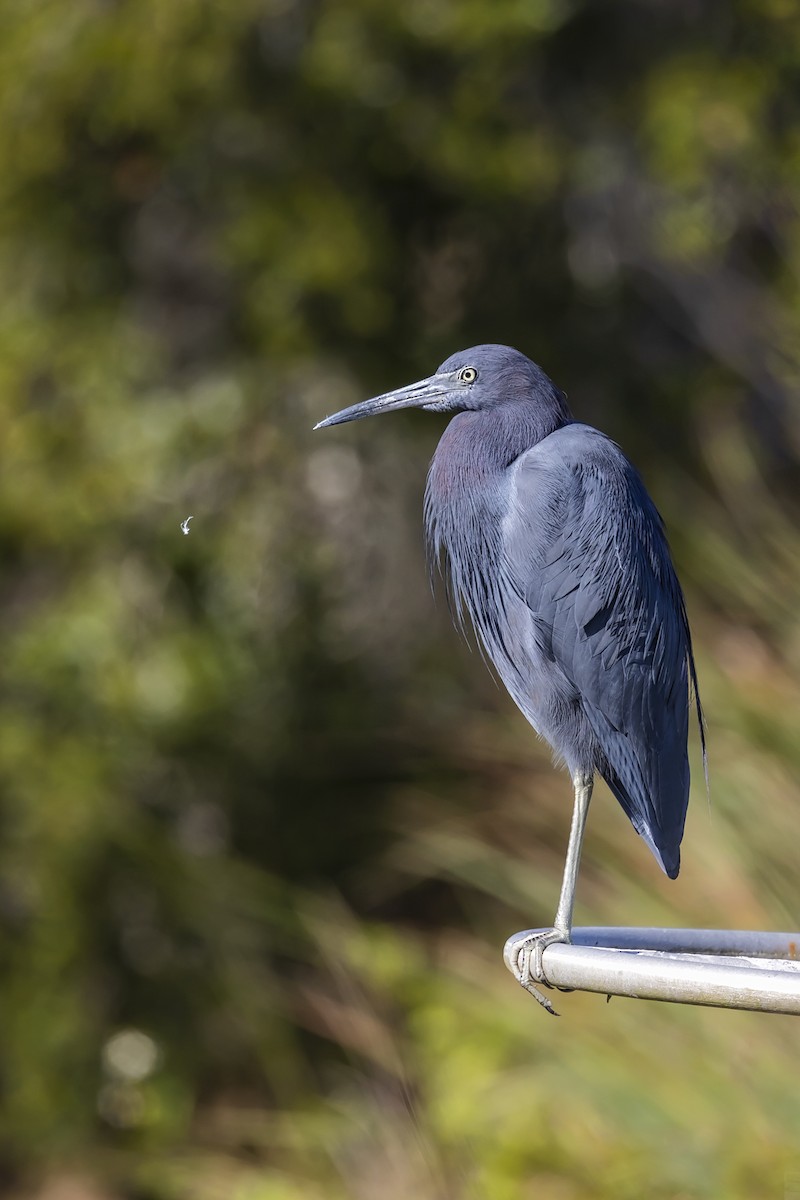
585, 549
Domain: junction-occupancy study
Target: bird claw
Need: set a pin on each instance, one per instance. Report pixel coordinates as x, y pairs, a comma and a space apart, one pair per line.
525, 959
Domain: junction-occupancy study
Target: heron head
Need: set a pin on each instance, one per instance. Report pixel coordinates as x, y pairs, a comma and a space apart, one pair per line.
479, 378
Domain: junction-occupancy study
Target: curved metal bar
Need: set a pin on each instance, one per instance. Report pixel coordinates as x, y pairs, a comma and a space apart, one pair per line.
723, 968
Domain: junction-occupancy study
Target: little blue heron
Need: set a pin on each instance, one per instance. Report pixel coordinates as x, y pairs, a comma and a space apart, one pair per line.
559, 557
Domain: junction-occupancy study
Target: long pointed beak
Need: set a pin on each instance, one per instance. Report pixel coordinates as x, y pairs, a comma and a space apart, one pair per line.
416, 395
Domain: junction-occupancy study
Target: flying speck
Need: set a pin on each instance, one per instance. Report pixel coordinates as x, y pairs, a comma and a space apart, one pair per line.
185, 524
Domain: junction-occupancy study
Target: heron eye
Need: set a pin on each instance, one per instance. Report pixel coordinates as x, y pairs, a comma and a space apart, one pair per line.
467, 374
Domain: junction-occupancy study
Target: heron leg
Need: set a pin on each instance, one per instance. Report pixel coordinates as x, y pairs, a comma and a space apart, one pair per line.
525, 956
583, 785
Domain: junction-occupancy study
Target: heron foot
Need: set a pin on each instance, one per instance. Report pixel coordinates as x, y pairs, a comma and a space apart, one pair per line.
524, 958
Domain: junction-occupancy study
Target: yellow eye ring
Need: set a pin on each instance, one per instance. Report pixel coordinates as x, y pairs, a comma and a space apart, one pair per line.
467, 375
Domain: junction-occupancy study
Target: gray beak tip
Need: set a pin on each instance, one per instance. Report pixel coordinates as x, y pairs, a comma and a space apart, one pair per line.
416, 395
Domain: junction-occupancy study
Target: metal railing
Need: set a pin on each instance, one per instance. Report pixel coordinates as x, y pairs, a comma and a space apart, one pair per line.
724, 968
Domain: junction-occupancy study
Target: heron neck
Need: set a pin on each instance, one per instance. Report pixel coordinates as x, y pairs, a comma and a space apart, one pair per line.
464, 498
477, 446
466, 502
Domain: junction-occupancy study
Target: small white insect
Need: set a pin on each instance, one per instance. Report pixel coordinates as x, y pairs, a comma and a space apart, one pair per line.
185, 524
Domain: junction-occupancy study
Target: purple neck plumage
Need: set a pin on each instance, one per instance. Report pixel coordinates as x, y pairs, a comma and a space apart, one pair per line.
478, 445
463, 497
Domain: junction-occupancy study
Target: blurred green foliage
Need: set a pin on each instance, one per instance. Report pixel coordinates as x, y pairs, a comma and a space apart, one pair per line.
264, 823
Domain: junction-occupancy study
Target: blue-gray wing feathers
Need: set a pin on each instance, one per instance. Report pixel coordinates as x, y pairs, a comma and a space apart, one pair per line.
585, 550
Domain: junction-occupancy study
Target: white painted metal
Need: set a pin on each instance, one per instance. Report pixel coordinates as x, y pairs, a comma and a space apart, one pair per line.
719, 967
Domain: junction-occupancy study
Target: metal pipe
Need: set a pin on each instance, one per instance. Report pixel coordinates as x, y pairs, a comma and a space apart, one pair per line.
723, 968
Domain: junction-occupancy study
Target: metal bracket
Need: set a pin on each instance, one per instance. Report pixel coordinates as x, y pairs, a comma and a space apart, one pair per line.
723, 968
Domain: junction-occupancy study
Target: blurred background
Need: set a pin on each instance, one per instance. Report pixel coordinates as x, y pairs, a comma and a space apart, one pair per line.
265, 821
